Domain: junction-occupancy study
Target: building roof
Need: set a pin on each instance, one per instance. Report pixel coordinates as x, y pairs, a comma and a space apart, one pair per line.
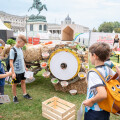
68, 18
7, 14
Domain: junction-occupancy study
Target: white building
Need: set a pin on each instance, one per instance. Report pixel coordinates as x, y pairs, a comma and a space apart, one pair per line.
18, 23
55, 31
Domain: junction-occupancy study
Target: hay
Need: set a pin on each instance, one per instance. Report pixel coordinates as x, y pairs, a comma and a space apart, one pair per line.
6, 51
32, 53
44, 49
80, 86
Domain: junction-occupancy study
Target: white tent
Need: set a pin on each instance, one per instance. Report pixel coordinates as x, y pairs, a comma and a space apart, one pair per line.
2, 26
5, 33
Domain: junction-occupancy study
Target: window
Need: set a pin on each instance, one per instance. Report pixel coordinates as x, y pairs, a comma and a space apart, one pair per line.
31, 27
40, 27
45, 27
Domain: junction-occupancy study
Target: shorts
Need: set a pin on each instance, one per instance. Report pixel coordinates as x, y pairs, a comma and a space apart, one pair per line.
96, 115
19, 77
116, 45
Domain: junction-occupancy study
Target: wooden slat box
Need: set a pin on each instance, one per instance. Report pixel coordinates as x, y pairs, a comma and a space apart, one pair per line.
58, 109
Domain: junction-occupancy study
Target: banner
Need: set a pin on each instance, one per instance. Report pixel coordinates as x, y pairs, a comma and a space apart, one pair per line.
102, 37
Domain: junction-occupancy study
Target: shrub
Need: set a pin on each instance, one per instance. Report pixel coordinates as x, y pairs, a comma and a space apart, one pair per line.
11, 42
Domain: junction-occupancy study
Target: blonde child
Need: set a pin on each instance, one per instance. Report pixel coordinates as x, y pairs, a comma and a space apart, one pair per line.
18, 68
3, 75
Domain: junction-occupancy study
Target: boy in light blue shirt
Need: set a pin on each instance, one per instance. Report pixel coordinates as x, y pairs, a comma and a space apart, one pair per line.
18, 68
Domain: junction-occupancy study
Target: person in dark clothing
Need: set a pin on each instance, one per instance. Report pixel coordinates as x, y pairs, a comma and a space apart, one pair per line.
116, 43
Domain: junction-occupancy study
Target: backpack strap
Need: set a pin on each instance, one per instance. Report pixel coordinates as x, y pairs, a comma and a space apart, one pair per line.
99, 74
15, 57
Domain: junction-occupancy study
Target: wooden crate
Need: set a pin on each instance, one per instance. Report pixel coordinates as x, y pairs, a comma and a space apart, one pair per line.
58, 109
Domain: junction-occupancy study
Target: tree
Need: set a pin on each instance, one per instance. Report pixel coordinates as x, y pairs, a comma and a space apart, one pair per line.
116, 27
116, 24
106, 27
117, 30
94, 30
109, 27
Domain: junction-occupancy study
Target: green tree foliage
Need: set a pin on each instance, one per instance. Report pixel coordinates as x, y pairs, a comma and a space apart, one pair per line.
117, 30
10, 41
116, 24
109, 27
106, 27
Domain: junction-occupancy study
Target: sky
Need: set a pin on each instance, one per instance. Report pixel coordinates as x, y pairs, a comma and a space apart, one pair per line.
89, 13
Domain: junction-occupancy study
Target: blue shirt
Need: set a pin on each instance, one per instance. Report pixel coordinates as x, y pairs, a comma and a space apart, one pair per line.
19, 66
2, 71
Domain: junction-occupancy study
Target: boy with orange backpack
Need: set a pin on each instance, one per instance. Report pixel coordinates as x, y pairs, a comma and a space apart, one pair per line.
97, 92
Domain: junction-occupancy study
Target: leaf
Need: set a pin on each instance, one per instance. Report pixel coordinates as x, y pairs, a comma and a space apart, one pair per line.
24, 47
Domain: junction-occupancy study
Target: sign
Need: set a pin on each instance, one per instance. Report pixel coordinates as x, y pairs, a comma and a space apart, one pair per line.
36, 41
102, 37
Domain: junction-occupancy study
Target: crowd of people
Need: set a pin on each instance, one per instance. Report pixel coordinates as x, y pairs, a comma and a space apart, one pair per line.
96, 92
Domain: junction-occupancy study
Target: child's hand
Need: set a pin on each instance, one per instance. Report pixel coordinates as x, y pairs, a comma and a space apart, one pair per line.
13, 76
88, 102
26, 69
9, 73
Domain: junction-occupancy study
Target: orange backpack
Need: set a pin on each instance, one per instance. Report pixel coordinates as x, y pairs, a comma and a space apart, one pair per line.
112, 102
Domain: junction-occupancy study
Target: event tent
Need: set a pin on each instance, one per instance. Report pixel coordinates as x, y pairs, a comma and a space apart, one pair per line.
5, 33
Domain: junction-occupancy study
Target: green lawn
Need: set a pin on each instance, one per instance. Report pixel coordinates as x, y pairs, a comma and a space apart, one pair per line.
40, 90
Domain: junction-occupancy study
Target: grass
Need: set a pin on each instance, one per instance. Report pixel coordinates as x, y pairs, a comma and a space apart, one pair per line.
40, 90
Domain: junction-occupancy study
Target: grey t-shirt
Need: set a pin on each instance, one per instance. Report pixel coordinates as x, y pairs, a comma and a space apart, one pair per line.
19, 62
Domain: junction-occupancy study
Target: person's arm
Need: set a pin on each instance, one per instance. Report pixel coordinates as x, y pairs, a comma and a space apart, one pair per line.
11, 58
118, 71
11, 66
25, 66
12, 69
101, 95
5, 75
113, 42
